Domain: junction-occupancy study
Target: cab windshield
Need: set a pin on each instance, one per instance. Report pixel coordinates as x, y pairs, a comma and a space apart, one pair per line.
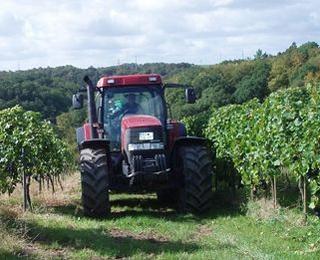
137, 100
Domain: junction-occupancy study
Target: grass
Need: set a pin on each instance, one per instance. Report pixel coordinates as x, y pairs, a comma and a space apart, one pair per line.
141, 228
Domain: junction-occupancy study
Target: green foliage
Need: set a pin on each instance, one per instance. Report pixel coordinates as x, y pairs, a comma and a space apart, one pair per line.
254, 84
66, 124
239, 81
29, 145
283, 131
291, 68
196, 124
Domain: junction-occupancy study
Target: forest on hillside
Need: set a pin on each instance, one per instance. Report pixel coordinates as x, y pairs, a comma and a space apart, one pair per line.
235, 82
49, 90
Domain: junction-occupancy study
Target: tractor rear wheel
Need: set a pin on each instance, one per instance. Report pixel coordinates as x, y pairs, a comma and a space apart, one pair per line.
94, 182
196, 187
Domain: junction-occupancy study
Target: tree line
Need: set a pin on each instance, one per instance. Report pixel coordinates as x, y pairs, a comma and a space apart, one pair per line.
238, 81
49, 90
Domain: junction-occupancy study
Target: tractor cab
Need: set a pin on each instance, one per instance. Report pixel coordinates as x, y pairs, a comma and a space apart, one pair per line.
125, 102
134, 118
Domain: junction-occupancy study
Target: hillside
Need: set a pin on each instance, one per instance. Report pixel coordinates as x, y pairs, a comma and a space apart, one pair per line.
235, 82
49, 90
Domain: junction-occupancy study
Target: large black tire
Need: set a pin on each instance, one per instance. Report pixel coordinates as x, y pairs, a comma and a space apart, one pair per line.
196, 179
94, 182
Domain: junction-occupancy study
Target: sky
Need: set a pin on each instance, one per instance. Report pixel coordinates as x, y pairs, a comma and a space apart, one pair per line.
99, 33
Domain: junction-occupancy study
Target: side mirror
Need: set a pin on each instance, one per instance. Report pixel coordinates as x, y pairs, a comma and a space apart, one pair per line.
77, 101
190, 95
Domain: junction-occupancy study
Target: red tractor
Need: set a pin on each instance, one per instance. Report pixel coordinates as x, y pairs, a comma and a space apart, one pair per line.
129, 144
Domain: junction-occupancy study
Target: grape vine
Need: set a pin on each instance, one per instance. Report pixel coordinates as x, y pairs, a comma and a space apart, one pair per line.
29, 146
261, 139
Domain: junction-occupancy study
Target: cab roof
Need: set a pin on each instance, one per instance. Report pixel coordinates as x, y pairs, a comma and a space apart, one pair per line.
129, 80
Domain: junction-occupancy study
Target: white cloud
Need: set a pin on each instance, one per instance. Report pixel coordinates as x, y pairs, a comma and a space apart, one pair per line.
101, 32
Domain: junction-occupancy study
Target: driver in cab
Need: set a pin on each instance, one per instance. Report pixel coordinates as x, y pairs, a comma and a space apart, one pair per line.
116, 112
131, 107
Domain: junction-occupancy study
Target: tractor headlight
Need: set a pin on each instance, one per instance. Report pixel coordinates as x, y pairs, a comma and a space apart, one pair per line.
145, 146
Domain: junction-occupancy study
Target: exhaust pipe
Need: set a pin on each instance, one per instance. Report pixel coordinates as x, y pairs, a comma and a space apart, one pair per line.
92, 111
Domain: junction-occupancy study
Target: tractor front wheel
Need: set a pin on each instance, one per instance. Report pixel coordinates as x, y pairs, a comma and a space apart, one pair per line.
196, 179
94, 182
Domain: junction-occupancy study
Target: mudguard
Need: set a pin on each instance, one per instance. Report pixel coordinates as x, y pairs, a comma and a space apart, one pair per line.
83, 133
80, 135
95, 144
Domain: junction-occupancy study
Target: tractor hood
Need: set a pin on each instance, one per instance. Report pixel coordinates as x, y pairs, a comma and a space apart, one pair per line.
140, 129
139, 121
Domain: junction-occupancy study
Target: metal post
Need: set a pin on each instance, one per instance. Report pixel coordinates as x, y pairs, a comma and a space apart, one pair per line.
24, 183
305, 198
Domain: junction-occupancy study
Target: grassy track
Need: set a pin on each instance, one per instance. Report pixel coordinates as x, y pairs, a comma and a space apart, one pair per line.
140, 228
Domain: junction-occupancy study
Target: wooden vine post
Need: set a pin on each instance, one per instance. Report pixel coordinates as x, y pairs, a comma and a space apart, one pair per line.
274, 191
305, 198
24, 182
